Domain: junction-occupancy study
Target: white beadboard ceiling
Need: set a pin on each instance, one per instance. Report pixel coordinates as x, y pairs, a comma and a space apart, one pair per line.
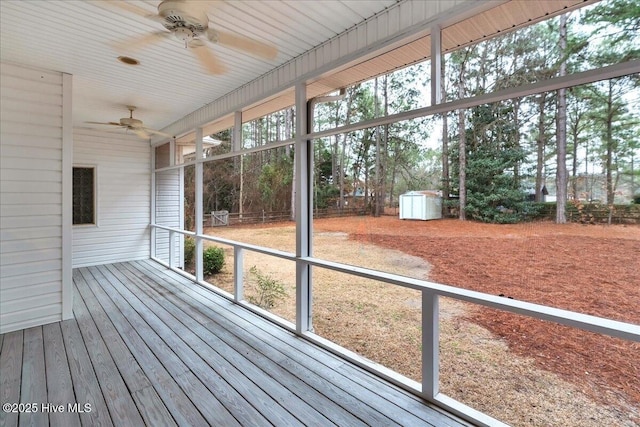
79, 38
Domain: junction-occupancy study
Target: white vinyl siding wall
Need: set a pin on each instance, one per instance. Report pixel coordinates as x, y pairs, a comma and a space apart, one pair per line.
168, 213
123, 195
31, 193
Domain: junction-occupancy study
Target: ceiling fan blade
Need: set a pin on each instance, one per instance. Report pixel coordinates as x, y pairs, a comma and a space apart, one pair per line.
196, 7
249, 45
157, 132
103, 123
209, 60
139, 42
141, 133
127, 7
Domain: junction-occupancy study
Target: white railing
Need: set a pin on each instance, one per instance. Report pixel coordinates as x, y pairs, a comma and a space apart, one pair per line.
431, 292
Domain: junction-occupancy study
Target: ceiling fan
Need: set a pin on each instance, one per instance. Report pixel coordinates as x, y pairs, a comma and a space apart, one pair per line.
134, 125
188, 22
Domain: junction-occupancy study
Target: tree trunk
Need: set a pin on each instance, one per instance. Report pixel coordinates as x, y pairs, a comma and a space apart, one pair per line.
446, 189
289, 125
516, 142
633, 174
382, 197
334, 151
240, 202
540, 149
462, 146
609, 156
392, 183
342, 170
344, 147
610, 152
463, 164
575, 132
366, 188
561, 132
376, 207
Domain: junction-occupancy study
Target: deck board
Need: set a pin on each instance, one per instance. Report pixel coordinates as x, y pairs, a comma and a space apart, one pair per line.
10, 374
121, 406
148, 347
34, 382
59, 383
152, 408
85, 383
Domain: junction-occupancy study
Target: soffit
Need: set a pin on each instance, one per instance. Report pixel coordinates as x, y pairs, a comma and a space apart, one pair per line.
481, 26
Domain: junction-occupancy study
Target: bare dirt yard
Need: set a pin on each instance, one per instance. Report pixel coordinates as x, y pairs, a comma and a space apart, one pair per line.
519, 370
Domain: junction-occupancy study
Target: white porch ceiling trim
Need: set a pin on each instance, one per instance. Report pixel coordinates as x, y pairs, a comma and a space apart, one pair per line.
393, 25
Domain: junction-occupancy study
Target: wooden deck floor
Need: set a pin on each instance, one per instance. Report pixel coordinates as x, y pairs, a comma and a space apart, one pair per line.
147, 347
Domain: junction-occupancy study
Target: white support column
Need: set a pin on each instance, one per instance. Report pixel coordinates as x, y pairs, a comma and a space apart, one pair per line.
238, 253
67, 203
172, 235
181, 220
430, 344
172, 249
238, 274
199, 214
236, 146
436, 65
152, 214
236, 139
303, 170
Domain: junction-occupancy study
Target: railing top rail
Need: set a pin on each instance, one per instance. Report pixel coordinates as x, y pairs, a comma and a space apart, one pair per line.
260, 249
587, 322
176, 230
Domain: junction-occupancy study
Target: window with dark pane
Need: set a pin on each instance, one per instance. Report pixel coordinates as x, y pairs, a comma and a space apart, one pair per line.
83, 196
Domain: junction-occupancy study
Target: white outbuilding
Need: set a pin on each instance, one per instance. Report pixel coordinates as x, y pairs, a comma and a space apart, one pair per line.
422, 205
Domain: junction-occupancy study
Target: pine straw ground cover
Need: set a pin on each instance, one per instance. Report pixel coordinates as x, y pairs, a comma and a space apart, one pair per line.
521, 371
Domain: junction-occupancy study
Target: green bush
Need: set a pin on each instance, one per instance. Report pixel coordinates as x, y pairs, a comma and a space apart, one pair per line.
212, 260
270, 291
189, 250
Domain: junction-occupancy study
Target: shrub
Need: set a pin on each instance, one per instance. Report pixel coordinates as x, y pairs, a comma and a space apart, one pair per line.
189, 250
270, 291
212, 260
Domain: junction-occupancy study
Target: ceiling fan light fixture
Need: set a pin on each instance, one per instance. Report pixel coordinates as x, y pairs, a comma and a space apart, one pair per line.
183, 34
128, 60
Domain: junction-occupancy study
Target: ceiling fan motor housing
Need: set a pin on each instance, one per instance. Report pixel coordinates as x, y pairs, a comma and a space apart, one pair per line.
131, 122
182, 22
